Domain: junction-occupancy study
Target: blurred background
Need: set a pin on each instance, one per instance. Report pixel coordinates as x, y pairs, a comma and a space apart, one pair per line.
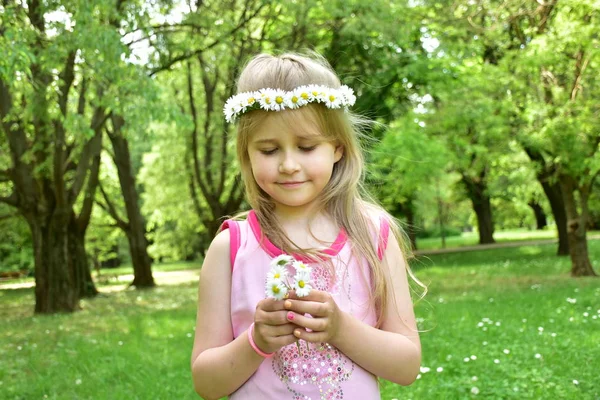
116, 168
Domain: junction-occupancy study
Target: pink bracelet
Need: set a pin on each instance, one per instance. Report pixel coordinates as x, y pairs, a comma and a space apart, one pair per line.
254, 346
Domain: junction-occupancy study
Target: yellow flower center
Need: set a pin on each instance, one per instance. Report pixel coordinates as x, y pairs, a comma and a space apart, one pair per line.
294, 99
268, 100
315, 93
331, 98
279, 99
301, 284
251, 100
276, 275
304, 96
275, 289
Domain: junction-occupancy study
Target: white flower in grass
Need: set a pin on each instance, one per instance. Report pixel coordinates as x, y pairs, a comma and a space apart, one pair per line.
282, 260
302, 283
575, 382
276, 289
475, 390
425, 370
277, 272
440, 369
538, 356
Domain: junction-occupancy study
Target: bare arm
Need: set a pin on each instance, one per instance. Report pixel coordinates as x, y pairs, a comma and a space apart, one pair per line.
392, 352
220, 364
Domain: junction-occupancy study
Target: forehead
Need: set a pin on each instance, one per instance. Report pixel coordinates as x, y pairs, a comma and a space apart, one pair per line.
287, 125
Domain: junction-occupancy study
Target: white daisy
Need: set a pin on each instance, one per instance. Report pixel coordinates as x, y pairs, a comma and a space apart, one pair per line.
348, 95
314, 93
302, 283
294, 99
276, 289
300, 266
282, 260
277, 272
266, 99
278, 100
332, 99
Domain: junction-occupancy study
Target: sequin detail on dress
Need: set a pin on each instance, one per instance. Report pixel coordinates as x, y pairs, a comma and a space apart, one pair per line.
322, 365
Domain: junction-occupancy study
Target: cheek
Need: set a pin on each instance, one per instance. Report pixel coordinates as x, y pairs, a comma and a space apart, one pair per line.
262, 169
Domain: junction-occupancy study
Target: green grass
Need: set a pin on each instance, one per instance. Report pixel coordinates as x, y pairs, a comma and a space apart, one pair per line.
136, 344
472, 238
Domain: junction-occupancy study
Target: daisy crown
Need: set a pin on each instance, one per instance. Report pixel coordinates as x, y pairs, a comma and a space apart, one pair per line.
278, 100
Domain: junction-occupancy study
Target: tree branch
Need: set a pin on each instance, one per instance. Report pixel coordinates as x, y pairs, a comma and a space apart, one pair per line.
111, 210
217, 41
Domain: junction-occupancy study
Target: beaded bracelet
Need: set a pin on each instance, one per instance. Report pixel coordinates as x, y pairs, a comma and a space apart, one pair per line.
254, 346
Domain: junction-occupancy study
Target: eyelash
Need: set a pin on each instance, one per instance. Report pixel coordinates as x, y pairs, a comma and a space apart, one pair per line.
303, 149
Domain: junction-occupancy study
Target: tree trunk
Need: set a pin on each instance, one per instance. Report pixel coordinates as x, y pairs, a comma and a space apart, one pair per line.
136, 227
557, 205
55, 290
576, 228
477, 192
554, 194
83, 276
540, 216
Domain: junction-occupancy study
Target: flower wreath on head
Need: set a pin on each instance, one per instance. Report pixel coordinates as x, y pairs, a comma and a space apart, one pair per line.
278, 100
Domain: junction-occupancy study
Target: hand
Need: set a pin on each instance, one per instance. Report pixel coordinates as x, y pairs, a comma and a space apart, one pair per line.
326, 316
272, 330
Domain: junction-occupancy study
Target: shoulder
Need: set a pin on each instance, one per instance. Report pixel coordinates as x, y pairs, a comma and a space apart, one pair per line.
217, 255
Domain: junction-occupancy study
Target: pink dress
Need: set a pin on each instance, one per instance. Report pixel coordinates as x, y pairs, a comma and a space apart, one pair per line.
322, 372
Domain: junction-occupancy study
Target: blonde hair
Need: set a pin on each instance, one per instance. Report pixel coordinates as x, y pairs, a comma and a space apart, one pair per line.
344, 198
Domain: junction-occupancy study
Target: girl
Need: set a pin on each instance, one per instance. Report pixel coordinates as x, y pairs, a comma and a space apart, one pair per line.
298, 149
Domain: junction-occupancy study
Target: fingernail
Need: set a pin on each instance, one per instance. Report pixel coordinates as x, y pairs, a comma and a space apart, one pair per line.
287, 304
297, 333
290, 316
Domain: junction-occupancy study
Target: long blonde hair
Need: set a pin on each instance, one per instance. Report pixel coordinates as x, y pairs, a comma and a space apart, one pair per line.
344, 198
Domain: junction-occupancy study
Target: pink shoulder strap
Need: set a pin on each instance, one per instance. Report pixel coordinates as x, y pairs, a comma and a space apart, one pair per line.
384, 233
234, 238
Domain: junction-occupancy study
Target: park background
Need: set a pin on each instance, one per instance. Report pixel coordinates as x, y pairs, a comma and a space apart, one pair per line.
116, 167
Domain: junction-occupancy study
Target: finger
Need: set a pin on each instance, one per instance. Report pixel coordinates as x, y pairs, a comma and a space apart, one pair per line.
312, 337
270, 305
314, 324
271, 318
286, 340
282, 330
315, 308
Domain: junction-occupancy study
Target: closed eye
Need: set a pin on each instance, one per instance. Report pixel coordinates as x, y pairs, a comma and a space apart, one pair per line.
307, 149
268, 152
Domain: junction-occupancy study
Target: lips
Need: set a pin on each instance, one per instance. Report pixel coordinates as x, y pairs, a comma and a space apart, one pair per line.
291, 184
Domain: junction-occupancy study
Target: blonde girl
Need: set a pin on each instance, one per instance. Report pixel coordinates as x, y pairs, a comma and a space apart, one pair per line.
302, 166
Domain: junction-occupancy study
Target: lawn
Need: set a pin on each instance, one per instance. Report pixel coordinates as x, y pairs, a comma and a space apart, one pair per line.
497, 324
472, 238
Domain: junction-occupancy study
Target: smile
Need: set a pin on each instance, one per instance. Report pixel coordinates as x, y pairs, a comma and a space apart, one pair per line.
290, 184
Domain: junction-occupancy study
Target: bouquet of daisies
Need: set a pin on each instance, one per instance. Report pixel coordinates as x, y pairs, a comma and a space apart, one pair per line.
280, 281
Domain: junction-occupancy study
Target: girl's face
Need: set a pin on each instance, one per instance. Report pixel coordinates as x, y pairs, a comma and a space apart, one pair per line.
292, 163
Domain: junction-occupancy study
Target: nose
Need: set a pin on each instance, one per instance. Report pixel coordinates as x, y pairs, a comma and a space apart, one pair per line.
288, 165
